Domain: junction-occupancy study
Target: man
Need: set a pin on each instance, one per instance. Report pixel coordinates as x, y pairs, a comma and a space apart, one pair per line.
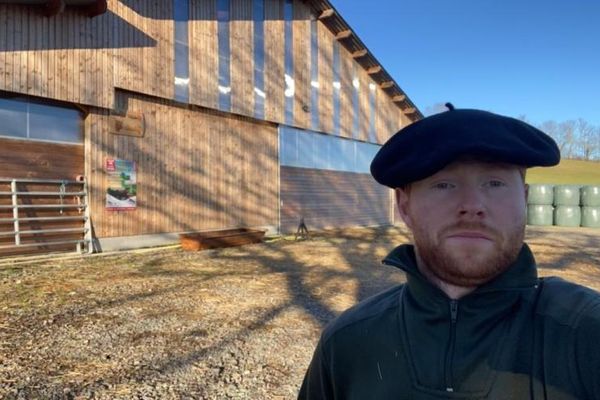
473, 320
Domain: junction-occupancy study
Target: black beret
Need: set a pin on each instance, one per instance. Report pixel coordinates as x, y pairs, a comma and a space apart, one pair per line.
428, 145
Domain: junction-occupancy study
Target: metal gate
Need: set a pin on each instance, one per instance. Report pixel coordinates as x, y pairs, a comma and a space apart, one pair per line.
43, 215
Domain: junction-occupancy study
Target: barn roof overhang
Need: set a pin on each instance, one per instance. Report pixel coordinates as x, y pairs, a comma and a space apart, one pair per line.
50, 8
325, 12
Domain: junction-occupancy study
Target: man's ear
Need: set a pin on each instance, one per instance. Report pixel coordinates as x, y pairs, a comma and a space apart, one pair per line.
402, 197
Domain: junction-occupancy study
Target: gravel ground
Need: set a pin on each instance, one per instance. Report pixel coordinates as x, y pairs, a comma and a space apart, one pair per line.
238, 323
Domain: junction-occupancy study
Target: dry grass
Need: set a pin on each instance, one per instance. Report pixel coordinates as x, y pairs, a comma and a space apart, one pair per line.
568, 172
229, 323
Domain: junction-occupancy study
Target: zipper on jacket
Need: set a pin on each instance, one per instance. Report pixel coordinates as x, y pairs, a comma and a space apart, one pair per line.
450, 351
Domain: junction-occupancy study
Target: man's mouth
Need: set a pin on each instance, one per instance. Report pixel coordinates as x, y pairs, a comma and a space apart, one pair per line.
470, 235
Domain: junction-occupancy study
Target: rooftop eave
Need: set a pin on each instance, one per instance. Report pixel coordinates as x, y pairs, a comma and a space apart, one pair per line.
328, 15
49, 8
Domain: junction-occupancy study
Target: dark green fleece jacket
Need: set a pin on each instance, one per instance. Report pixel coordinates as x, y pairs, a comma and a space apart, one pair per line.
516, 337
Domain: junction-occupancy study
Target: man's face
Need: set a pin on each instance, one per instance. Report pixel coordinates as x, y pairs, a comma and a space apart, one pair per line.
467, 220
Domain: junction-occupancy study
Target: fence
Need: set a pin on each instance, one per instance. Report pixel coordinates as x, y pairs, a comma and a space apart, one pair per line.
43, 215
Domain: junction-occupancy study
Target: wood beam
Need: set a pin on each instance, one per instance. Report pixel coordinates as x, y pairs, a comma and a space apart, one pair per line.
343, 34
360, 53
327, 13
399, 98
387, 84
374, 70
410, 110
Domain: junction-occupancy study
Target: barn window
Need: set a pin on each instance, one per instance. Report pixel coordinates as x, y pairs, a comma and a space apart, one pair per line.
337, 88
223, 15
290, 86
314, 75
372, 112
259, 58
306, 149
355, 103
182, 65
27, 119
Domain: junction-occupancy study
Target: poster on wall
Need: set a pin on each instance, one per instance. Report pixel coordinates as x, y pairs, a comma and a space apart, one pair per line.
121, 188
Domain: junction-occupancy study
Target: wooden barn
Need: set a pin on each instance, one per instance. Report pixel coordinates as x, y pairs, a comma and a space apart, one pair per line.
124, 123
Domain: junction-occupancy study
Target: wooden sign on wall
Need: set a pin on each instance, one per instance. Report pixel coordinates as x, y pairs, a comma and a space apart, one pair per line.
132, 124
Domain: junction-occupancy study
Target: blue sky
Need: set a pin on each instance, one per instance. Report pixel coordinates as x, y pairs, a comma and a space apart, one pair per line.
515, 57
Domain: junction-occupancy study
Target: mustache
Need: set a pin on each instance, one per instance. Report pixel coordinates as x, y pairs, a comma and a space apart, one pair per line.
470, 226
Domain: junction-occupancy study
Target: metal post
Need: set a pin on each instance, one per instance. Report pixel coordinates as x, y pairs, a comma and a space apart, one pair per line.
88, 223
13, 188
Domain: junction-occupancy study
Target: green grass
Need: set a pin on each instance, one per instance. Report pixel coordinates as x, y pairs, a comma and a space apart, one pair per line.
576, 172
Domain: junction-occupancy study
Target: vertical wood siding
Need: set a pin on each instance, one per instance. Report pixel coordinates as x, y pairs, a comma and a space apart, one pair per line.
66, 57
346, 110
242, 58
331, 199
197, 170
204, 54
363, 101
301, 34
144, 51
82, 60
34, 159
325, 79
274, 60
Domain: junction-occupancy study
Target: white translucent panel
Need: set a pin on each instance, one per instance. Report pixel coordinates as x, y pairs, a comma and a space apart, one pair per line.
322, 146
181, 60
258, 13
365, 154
55, 123
288, 147
182, 74
306, 150
347, 155
13, 118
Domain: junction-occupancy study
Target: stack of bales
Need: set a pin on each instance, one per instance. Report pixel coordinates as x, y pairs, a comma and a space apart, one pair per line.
539, 205
590, 206
564, 205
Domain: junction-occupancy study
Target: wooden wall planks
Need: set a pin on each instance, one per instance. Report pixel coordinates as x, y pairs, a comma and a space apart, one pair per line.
34, 159
217, 171
325, 78
63, 57
331, 199
143, 43
242, 58
204, 54
301, 49
82, 60
274, 61
346, 90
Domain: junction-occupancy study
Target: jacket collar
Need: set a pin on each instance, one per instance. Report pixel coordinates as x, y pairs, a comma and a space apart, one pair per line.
521, 274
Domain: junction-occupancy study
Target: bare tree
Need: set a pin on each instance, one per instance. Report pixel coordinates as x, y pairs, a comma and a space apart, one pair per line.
587, 139
567, 138
549, 127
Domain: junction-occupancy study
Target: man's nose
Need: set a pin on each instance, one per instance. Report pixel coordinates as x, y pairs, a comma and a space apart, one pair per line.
471, 202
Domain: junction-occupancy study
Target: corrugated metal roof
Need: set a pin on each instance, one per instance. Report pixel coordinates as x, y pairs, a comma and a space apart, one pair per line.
328, 15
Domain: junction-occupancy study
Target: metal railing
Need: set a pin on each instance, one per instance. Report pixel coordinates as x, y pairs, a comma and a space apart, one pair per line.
17, 205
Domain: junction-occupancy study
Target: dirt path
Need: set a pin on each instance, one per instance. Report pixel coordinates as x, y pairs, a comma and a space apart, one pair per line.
233, 323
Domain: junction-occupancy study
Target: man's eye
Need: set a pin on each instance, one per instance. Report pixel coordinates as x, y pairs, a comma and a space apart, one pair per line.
443, 185
496, 183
